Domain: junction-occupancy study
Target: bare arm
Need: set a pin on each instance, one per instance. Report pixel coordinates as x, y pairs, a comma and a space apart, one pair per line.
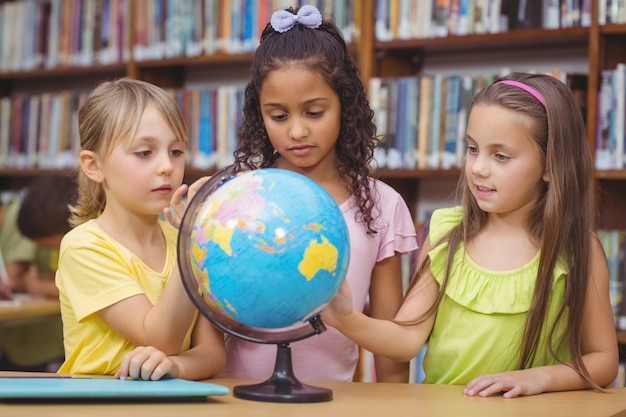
385, 298
600, 354
162, 325
384, 337
205, 359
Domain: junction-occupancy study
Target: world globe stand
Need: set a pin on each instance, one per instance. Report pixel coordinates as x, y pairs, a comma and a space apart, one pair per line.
283, 386
214, 277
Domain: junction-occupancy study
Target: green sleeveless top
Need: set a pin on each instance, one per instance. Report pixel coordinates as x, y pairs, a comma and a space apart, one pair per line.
481, 318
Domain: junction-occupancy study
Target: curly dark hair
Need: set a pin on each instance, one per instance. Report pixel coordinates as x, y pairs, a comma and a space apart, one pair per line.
324, 51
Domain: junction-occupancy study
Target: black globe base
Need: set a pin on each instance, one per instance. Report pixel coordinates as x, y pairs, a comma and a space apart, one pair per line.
283, 386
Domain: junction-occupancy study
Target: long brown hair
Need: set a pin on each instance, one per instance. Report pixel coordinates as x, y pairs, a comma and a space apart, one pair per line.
562, 221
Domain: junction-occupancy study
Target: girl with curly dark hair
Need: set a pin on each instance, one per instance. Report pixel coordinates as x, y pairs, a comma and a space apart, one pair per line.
305, 110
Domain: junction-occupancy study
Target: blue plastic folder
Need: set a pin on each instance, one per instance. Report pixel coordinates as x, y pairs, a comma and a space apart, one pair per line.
67, 388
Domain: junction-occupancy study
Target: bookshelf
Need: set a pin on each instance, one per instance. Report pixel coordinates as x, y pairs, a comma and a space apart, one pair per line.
601, 44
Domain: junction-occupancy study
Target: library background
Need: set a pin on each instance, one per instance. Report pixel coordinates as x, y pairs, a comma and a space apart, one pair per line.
422, 61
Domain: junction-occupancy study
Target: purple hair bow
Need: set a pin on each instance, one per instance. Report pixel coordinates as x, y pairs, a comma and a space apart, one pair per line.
308, 16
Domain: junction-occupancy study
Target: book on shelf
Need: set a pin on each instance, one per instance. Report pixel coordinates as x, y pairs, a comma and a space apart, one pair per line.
224, 28
33, 131
381, 21
64, 33
610, 125
394, 158
529, 15
613, 241
13, 159
5, 129
400, 19
250, 23
605, 92
193, 17
616, 136
424, 120
450, 122
467, 94
378, 94
43, 141
411, 122
433, 157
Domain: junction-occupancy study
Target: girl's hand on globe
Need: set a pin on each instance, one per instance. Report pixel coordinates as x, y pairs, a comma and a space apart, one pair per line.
174, 213
339, 307
147, 363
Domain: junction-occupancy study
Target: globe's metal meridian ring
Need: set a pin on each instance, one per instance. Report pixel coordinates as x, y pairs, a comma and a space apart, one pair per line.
252, 334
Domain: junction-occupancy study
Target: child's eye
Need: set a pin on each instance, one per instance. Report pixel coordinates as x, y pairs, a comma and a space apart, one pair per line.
315, 113
502, 157
472, 150
278, 117
177, 152
143, 154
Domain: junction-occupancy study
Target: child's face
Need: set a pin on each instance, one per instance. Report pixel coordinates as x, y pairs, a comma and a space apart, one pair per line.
504, 167
302, 117
142, 176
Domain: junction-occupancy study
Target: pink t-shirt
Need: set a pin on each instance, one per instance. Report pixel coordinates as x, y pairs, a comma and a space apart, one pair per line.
330, 356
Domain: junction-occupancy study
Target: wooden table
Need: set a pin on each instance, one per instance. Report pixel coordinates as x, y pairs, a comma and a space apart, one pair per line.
27, 310
351, 399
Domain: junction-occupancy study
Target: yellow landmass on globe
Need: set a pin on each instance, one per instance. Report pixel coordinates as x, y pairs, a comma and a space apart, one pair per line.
222, 235
318, 256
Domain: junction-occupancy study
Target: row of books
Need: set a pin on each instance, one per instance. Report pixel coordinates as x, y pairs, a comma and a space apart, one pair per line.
421, 119
61, 33
614, 245
409, 19
41, 131
48, 34
611, 126
170, 28
611, 11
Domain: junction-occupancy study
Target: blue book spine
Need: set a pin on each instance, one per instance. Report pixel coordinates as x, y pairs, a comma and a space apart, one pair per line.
205, 146
250, 12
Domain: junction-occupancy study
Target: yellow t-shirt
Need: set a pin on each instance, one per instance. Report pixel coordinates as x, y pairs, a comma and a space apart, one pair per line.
480, 320
95, 271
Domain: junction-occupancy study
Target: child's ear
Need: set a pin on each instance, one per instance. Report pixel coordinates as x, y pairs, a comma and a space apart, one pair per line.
546, 176
90, 166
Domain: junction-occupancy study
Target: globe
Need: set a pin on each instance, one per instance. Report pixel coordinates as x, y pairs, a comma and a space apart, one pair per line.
261, 253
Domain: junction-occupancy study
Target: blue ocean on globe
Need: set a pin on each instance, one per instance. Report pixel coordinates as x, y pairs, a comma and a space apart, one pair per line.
269, 248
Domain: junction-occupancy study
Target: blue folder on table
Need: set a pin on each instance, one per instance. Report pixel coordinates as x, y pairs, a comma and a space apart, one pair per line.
66, 388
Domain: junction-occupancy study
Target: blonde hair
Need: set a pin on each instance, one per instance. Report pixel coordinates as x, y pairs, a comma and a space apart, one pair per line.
110, 114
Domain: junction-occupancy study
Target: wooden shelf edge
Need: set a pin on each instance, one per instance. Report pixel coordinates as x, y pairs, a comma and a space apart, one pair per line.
64, 71
613, 29
613, 174
532, 36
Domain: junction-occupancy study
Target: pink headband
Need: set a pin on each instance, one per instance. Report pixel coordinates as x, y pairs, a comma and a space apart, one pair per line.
526, 88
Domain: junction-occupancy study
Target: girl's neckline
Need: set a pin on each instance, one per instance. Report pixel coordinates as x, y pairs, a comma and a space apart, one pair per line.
531, 263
